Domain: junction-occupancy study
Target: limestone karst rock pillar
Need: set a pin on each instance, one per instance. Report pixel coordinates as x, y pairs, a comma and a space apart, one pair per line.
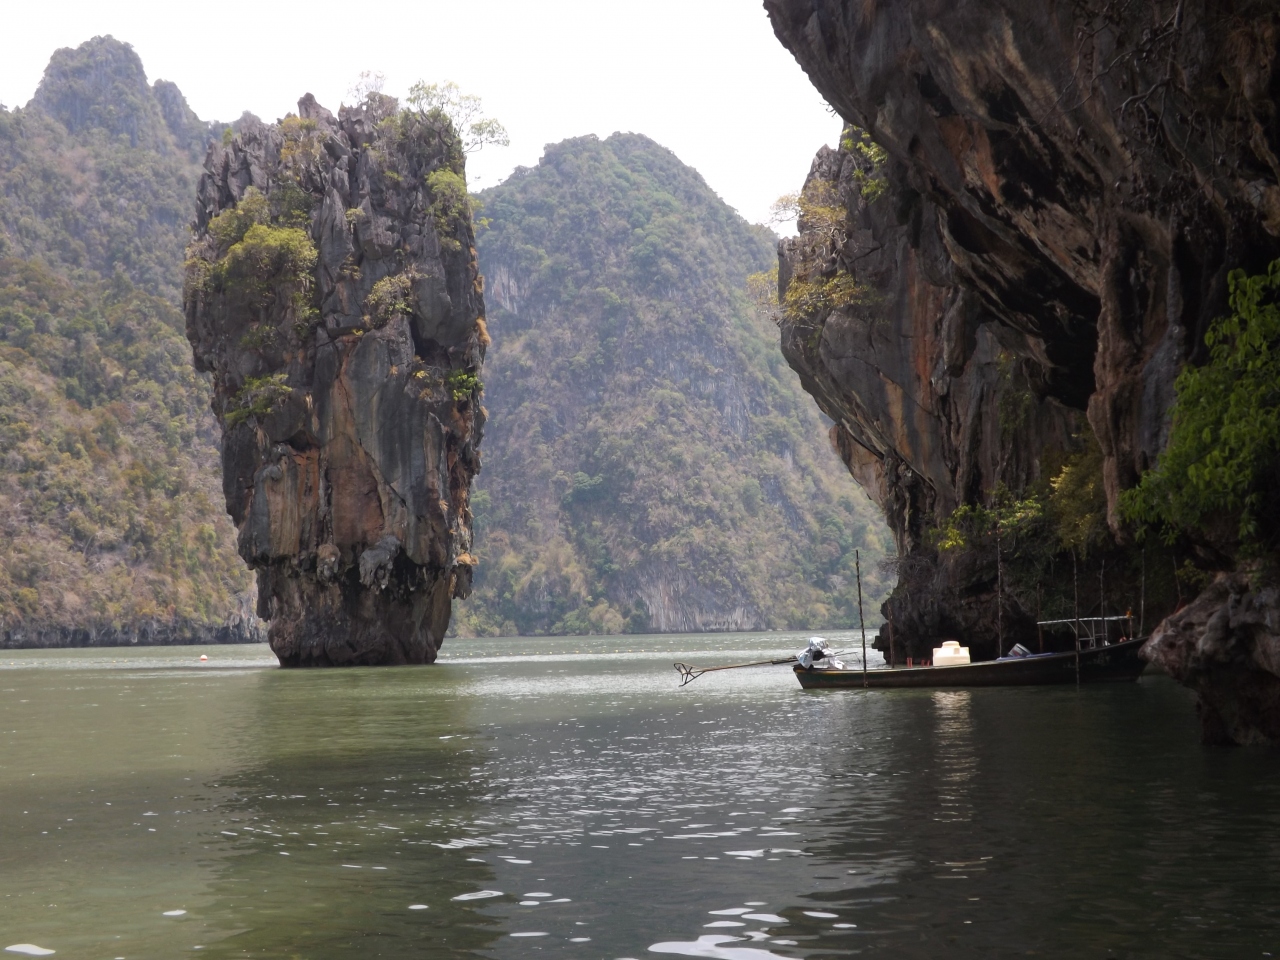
332, 292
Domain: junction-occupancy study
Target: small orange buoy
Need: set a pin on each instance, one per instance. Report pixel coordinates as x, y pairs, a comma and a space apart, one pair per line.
203, 657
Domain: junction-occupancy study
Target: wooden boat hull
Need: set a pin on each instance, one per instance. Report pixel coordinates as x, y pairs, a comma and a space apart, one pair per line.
1117, 662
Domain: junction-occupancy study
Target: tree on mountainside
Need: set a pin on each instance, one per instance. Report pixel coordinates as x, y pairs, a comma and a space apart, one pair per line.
464, 109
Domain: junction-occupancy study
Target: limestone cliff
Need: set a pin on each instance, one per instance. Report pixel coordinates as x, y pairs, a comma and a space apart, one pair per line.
333, 293
1067, 186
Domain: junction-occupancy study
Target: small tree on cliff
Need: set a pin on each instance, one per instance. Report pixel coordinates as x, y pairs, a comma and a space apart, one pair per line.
464, 109
1003, 524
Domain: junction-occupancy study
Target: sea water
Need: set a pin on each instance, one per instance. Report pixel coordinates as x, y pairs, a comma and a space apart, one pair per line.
564, 797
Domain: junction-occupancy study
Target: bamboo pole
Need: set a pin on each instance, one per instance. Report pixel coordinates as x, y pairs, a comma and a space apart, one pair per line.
999, 595
1039, 616
1102, 600
857, 566
1142, 595
1075, 586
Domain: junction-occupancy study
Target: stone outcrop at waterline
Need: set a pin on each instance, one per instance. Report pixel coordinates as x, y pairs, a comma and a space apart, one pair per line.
1067, 187
333, 293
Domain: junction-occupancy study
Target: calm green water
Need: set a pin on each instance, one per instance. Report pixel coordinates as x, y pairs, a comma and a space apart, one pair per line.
564, 798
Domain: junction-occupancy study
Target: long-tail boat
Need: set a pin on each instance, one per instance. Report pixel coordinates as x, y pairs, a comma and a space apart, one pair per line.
1102, 663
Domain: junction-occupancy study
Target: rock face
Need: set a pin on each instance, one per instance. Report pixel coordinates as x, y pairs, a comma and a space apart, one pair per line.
1225, 645
333, 293
1067, 187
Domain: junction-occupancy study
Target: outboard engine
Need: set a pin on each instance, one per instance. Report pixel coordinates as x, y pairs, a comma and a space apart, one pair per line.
819, 654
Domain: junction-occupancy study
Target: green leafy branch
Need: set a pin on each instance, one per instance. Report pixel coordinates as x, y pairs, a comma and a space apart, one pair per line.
1224, 443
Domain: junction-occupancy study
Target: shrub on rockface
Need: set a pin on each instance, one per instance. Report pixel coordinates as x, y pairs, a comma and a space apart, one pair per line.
1223, 457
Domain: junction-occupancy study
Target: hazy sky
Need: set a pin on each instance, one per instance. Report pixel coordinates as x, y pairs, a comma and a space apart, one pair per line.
706, 78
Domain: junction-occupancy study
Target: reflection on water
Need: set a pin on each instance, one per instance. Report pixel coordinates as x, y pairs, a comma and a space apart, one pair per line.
956, 761
563, 797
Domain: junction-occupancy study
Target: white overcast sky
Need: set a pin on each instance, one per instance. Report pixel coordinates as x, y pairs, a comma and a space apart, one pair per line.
706, 78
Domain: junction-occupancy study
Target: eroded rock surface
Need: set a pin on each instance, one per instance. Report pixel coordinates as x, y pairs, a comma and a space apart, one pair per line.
334, 295
1068, 186
1225, 645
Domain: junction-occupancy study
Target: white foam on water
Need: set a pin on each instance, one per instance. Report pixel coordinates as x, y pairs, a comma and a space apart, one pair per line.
796, 809
539, 893
764, 917
785, 943
709, 945
479, 895
821, 915
530, 903
531, 933
560, 900
353, 866
731, 912
514, 860
579, 939
379, 868
845, 926
724, 923
754, 903
418, 906
174, 913
30, 949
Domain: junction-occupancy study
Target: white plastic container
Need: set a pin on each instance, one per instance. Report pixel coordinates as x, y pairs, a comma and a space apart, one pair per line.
950, 654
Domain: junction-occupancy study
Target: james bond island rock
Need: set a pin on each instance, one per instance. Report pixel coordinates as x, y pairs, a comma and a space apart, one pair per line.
1037, 251
333, 293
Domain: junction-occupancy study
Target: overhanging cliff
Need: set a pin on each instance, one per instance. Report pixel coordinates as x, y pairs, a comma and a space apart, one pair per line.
333, 293
1066, 188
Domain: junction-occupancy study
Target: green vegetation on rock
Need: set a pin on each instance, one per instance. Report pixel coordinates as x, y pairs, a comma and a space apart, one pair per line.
1219, 469
651, 462
110, 510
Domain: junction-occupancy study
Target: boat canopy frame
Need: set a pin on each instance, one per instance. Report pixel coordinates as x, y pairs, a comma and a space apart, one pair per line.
1090, 631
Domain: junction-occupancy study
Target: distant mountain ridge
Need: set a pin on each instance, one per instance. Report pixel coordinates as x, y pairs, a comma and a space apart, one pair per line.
111, 524
650, 461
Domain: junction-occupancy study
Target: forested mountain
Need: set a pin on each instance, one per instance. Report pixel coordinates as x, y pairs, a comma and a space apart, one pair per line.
651, 462
111, 522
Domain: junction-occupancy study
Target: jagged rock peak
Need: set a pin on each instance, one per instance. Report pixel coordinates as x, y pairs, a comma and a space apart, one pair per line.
333, 293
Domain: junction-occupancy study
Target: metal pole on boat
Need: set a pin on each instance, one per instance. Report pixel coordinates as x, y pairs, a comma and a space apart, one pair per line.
1075, 585
857, 566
